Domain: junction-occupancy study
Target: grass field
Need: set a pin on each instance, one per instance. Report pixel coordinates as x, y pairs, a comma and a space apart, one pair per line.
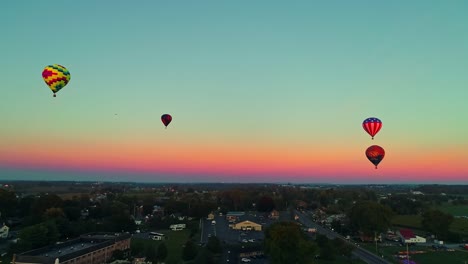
430, 257
174, 242
455, 210
459, 225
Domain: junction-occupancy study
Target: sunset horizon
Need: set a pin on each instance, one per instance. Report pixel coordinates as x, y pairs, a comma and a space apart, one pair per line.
258, 92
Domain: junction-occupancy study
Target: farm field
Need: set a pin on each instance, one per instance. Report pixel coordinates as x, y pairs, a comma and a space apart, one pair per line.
459, 225
174, 242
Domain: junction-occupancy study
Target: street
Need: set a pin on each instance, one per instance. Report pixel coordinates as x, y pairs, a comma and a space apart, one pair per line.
359, 252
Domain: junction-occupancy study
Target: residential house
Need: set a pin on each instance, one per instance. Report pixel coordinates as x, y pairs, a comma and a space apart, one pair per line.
211, 216
274, 215
234, 216
4, 231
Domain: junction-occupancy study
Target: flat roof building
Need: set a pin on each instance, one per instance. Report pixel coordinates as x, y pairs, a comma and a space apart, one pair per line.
93, 248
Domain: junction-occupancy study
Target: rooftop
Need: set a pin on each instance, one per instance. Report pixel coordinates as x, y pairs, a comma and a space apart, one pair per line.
407, 234
72, 248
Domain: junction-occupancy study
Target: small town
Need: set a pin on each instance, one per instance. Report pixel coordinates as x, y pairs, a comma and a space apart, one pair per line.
80, 222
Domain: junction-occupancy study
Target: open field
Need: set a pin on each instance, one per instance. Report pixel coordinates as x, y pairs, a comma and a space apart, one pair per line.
430, 257
459, 225
455, 210
174, 242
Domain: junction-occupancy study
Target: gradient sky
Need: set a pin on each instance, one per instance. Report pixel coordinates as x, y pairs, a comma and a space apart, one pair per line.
259, 91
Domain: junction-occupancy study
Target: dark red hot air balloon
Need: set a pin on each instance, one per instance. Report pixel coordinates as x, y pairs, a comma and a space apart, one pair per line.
375, 154
166, 119
372, 126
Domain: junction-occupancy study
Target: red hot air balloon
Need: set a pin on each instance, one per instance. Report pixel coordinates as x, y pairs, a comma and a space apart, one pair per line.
375, 154
166, 119
372, 126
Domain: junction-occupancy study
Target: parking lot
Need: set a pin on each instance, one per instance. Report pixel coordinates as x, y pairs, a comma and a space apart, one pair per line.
230, 236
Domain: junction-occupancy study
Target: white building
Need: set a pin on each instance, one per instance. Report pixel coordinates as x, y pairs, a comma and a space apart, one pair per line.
177, 227
4, 231
407, 236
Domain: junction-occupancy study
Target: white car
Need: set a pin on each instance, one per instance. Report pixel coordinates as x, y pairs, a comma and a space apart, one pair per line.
252, 240
246, 260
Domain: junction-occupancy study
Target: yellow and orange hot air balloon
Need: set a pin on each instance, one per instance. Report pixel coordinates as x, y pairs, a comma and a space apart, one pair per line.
56, 77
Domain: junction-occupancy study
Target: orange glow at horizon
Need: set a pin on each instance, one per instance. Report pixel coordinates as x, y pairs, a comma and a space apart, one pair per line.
234, 159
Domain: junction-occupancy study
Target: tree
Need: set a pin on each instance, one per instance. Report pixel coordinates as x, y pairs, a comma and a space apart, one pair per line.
437, 222
151, 253
118, 255
370, 217
189, 251
204, 257
342, 247
265, 204
286, 243
8, 203
214, 245
161, 254
45, 202
137, 247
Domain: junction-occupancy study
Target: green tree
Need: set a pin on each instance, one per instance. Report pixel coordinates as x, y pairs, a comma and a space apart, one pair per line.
161, 254
39, 235
286, 243
370, 217
437, 222
151, 253
343, 248
118, 255
214, 245
8, 203
189, 251
265, 204
204, 257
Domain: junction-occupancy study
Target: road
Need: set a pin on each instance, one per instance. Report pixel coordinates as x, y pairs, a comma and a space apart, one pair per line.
361, 253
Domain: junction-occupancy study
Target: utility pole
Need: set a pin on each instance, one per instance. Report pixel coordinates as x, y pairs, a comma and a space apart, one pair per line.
407, 253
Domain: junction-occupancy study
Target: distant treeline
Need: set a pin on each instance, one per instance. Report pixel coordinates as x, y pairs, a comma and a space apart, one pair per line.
447, 189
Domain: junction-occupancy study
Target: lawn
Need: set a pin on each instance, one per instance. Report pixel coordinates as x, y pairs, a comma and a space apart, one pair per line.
174, 242
455, 210
431, 257
340, 260
459, 225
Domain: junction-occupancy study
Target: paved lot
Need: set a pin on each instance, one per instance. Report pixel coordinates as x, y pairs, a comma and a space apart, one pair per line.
227, 235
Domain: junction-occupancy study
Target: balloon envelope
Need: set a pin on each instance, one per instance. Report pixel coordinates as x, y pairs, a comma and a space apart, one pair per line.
56, 77
166, 119
372, 125
375, 154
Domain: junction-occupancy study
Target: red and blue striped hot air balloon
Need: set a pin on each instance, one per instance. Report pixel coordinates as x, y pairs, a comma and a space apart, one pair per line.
372, 125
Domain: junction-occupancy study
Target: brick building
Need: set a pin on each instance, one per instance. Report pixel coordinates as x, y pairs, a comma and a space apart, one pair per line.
93, 248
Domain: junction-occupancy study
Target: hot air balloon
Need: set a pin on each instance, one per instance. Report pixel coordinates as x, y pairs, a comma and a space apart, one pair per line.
166, 119
372, 126
375, 154
56, 77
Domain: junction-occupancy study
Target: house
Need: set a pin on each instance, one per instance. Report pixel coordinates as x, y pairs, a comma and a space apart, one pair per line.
4, 231
210, 216
247, 225
139, 260
158, 210
234, 216
301, 205
177, 227
274, 215
407, 236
